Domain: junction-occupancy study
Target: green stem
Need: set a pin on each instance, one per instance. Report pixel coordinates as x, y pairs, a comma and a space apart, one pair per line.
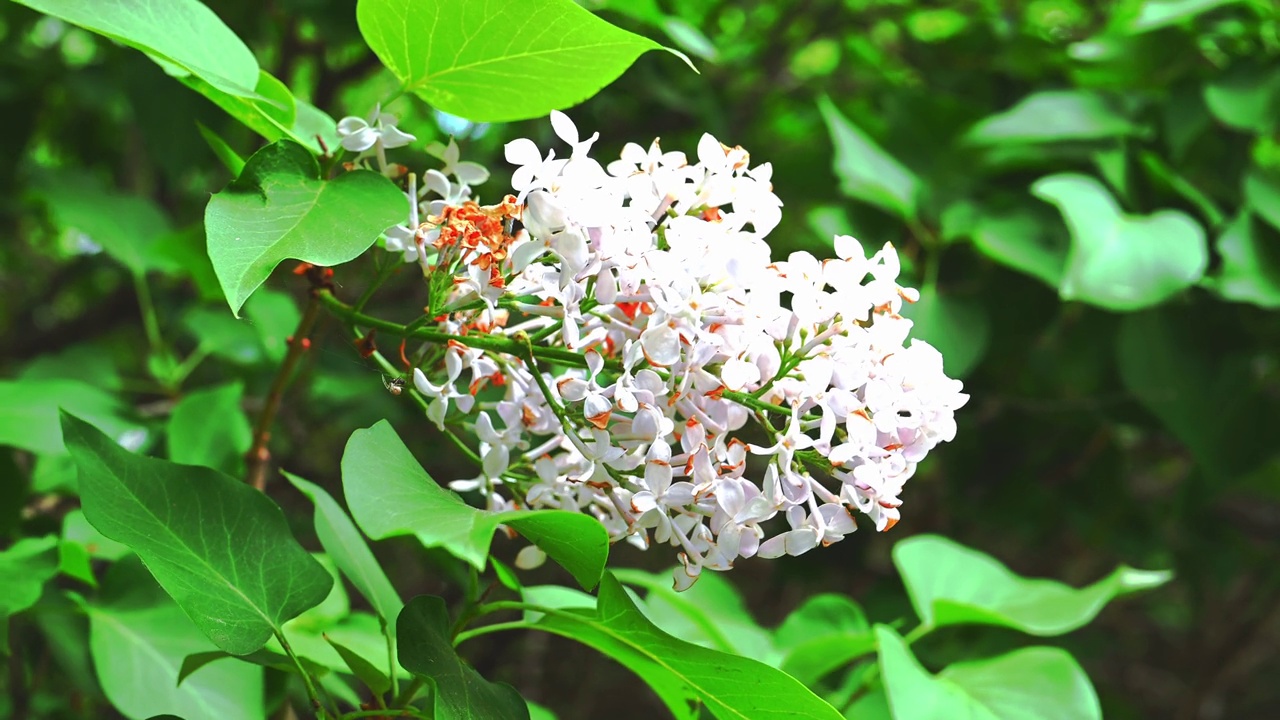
150, 322
380, 276
486, 629
190, 363
319, 707
386, 713
409, 692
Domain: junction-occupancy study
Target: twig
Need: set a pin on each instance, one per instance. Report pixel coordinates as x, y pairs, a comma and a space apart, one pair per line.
259, 457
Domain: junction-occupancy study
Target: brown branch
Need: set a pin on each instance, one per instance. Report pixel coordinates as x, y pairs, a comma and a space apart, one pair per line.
259, 456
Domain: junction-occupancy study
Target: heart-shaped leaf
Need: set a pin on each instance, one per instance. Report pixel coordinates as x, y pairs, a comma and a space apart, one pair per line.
426, 649
1118, 261
951, 584
184, 36
340, 538
1035, 683
139, 640
279, 208
495, 62
729, 686
390, 494
179, 519
867, 172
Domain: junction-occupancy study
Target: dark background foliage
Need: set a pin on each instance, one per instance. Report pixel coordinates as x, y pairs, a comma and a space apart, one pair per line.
1093, 437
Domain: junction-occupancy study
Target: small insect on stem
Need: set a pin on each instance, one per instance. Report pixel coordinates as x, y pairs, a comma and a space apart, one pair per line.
394, 385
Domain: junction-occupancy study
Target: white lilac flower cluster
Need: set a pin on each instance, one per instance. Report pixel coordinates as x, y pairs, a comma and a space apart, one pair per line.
653, 273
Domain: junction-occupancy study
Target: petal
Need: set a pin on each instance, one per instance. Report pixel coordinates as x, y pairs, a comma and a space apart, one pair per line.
522, 151
471, 173
564, 127
530, 558
661, 345
393, 137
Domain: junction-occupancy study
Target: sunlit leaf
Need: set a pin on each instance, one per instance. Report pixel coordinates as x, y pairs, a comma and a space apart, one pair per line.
950, 584
711, 614
1119, 261
279, 208
390, 494
867, 172
221, 549
495, 62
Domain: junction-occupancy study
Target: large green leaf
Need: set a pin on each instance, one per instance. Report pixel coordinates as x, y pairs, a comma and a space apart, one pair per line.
208, 427
184, 36
1209, 397
390, 494
824, 633
1035, 683
867, 172
24, 569
711, 614
280, 208
426, 649
498, 61
957, 326
1119, 261
139, 638
275, 113
29, 413
1250, 269
340, 538
1053, 116
951, 584
681, 673
221, 549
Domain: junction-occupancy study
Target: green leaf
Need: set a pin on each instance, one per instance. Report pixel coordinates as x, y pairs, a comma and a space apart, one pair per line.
340, 538
1262, 191
957, 326
181, 33
24, 569
360, 632
1209, 396
865, 171
1035, 683
1245, 98
729, 686
221, 149
390, 494
139, 639
496, 62
426, 649
1021, 239
274, 113
279, 208
951, 584
29, 414
75, 528
710, 614
824, 633
129, 228
373, 678
223, 336
181, 519
1119, 261
274, 316
1250, 269
1156, 14
1053, 116
208, 427
935, 25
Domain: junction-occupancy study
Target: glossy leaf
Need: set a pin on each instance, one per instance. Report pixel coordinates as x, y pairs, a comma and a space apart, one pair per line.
957, 326
29, 414
179, 519
340, 538
184, 36
139, 639
1250, 264
729, 686
1036, 683
711, 614
496, 62
951, 584
1053, 116
24, 568
1119, 261
824, 633
220, 444
867, 172
279, 208
390, 494
426, 649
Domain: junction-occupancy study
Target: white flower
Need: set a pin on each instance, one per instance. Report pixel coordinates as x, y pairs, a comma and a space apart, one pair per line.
379, 129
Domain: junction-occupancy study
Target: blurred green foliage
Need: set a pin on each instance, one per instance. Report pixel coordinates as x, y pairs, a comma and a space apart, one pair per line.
1087, 194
